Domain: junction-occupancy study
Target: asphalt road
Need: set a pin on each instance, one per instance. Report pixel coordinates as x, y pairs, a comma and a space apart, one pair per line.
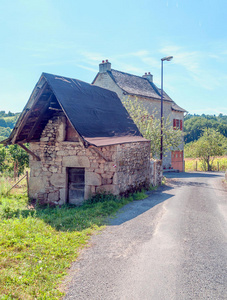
172, 245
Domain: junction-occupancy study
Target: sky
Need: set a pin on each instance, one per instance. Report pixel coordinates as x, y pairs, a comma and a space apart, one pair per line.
71, 37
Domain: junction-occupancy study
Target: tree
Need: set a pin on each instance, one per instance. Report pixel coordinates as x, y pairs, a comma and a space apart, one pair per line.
211, 144
150, 126
19, 159
195, 124
2, 158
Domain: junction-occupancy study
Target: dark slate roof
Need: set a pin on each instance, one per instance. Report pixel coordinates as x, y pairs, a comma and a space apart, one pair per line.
97, 114
136, 85
178, 108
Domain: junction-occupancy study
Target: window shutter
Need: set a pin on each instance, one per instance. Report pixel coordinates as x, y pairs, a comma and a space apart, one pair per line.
174, 124
181, 125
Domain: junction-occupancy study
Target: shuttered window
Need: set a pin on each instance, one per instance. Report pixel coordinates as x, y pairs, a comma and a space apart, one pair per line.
177, 124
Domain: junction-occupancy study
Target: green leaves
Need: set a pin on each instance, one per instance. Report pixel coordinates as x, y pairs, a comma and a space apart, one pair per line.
195, 124
13, 160
210, 145
150, 126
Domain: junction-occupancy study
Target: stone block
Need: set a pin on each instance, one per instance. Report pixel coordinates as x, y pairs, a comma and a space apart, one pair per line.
61, 153
58, 180
53, 169
63, 196
36, 185
99, 171
115, 178
87, 192
34, 146
92, 178
44, 139
108, 188
76, 162
53, 197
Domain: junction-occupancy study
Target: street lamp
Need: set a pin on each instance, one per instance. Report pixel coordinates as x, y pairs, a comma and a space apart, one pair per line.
167, 58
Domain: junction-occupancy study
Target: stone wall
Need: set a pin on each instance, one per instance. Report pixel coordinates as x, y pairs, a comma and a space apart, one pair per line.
48, 178
156, 172
133, 170
125, 167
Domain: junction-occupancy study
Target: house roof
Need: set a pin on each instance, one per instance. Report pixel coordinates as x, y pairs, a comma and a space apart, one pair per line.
139, 86
95, 113
177, 108
136, 85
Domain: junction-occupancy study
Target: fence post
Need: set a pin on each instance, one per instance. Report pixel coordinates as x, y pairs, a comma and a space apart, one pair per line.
196, 165
218, 166
27, 183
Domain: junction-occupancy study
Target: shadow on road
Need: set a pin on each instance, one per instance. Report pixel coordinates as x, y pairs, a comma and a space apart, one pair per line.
183, 179
136, 208
174, 180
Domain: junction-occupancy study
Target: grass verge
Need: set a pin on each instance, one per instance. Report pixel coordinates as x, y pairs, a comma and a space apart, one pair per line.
38, 244
219, 164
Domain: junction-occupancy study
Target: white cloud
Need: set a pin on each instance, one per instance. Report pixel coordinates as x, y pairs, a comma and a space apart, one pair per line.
197, 66
87, 68
92, 57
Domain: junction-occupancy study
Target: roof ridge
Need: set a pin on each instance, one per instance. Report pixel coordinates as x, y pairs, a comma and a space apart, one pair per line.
129, 74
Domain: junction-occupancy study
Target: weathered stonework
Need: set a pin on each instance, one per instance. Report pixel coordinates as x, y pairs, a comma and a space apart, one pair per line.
126, 167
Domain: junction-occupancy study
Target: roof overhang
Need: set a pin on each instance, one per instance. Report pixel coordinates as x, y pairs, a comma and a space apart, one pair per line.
96, 114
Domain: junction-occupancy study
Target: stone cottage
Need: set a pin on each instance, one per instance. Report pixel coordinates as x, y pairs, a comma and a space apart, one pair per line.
82, 141
143, 88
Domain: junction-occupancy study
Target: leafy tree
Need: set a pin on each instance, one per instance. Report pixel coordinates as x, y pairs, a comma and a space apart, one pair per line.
211, 144
19, 159
195, 124
2, 113
150, 127
2, 158
2, 122
4, 132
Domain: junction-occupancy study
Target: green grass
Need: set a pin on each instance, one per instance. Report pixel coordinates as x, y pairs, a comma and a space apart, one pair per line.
38, 244
190, 164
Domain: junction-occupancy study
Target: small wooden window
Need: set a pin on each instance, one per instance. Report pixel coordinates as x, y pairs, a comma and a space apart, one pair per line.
177, 124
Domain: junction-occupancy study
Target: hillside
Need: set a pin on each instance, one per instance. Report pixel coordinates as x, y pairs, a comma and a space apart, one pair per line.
195, 124
7, 122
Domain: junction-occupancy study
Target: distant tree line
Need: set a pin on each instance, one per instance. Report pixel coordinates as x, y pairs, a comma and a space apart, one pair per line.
195, 125
7, 122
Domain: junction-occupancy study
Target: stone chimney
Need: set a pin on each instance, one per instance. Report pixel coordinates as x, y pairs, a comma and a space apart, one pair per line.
104, 66
148, 76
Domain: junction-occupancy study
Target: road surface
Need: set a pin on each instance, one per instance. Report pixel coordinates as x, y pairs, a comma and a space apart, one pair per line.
172, 245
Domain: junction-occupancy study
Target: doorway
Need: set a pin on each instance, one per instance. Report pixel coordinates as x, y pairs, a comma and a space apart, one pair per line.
76, 184
177, 160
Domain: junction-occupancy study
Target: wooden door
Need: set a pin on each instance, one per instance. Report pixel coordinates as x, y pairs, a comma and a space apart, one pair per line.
75, 185
177, 161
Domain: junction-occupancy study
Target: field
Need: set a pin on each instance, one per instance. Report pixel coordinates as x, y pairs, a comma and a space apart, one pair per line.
193, 164
38, 244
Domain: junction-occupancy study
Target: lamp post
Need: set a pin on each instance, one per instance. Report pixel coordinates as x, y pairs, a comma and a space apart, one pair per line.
167, 58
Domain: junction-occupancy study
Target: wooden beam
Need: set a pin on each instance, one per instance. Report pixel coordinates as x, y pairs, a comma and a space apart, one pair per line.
100, 153
27, 114
37, 122
55, 109
30, 152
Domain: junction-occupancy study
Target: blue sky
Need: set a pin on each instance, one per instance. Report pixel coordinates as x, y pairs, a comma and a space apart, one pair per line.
70, 38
